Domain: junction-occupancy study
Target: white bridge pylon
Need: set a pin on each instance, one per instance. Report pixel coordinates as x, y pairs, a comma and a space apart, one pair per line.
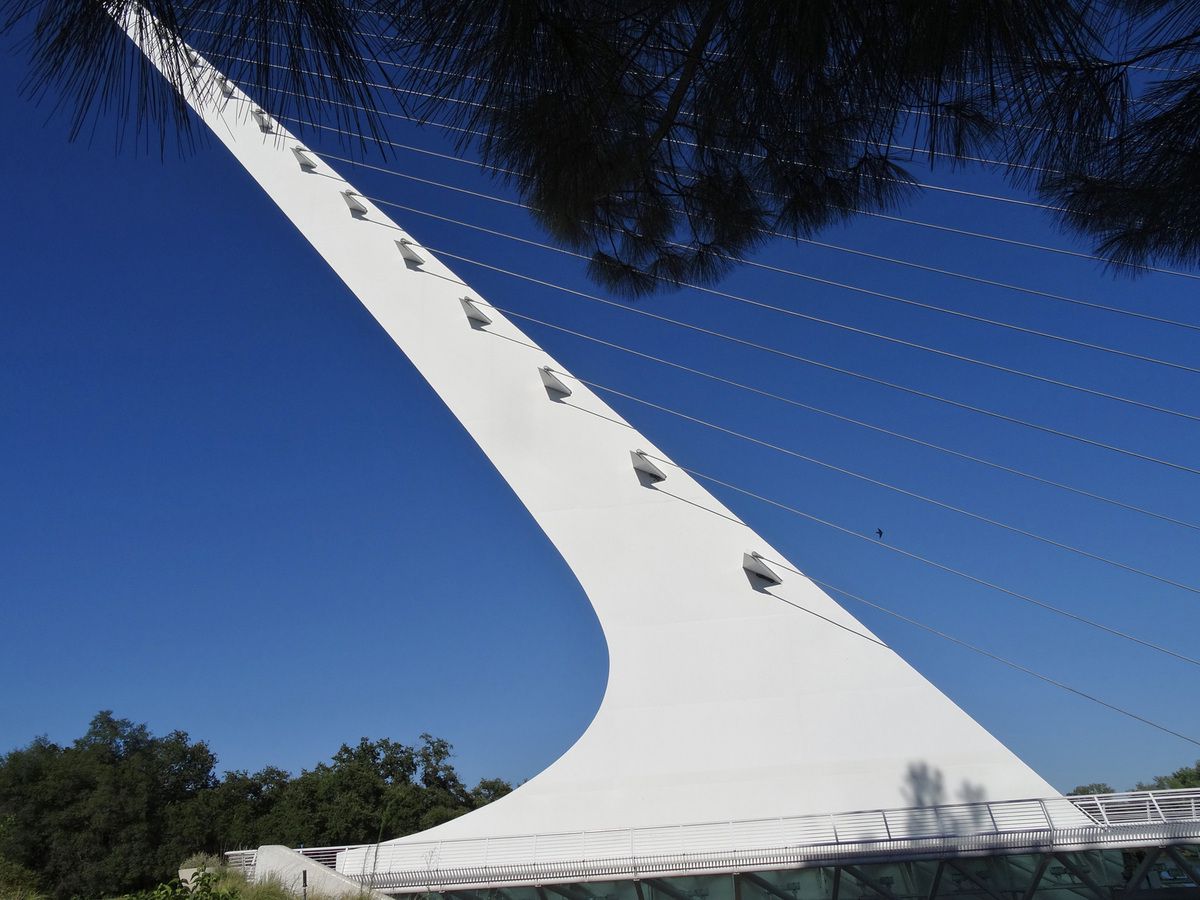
737, 689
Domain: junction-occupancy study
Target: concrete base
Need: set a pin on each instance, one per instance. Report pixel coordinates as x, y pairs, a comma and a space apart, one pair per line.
287, 867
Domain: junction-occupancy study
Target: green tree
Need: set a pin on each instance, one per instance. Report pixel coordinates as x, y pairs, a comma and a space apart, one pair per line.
234, 812
100, 817
1098, 787
1184, 777
371, 791
18, 882
1132, 183
119, 809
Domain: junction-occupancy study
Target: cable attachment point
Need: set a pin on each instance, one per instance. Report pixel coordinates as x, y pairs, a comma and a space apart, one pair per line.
354, 201
476, 315
264, 120
642, 463
409, 253
554, 385
753, 563
307, 161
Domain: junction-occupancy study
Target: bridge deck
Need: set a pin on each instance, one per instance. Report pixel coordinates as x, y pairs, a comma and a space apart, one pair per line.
1119, 822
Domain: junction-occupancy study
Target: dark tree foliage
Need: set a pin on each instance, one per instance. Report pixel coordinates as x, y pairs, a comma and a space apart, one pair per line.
1098, 787
119, 808
665, 138
101, 815
1135, 189
299, 57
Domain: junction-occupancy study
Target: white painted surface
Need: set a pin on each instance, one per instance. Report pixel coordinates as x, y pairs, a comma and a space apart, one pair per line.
288, 868
723, 701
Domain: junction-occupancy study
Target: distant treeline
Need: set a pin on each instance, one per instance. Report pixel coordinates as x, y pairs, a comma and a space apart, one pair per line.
118, 809
1187, 777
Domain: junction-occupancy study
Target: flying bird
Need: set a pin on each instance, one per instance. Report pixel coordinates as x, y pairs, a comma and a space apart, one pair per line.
879, 533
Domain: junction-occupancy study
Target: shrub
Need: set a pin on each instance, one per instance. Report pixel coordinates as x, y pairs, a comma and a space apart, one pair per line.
18, 882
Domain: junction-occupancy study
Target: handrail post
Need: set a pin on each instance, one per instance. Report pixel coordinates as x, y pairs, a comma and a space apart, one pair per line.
1046, 815
1158, 809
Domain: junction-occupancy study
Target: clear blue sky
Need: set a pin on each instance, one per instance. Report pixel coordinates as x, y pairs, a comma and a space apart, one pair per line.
232, 507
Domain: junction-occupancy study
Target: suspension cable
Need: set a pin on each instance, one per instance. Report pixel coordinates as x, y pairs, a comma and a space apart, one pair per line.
939, 398
974, 648
826, 366
838, 416
1029, 245
395, 89
795, 454
725, 295
892, 298
984, 320
1033, 292
1025, 598
964, 232
982, 160
842, 591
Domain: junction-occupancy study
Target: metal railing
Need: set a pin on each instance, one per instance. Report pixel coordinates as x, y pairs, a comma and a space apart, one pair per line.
327, 856
1059, 822
243, 861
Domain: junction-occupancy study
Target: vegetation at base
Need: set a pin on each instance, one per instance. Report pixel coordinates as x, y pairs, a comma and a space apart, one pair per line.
1186, 777
204, 885
116, 810
18, 882
218, 883
1097, 787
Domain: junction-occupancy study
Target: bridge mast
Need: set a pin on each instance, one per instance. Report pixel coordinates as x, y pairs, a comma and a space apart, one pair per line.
737, 688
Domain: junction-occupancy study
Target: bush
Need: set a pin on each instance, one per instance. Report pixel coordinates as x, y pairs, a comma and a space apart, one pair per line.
204, 886
18, 882
217, 884
209, 861
114, 811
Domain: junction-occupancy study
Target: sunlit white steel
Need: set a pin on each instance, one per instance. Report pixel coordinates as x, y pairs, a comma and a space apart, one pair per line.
727, 699
306, 160
554, 384
645, 465
1133, 819
264, 120
474, 313
354, 201
754, 563
409, 252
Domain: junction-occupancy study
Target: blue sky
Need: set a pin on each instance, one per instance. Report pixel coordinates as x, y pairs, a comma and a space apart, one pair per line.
232, 507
